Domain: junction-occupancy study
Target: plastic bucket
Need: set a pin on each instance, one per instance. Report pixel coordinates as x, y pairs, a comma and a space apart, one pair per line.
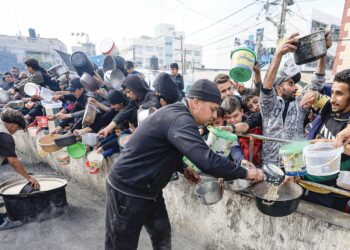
76, 150
220, 141
322, 159
242, 63
292, 158
95, 159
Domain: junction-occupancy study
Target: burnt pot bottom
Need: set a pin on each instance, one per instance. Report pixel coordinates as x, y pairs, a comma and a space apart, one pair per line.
26, 207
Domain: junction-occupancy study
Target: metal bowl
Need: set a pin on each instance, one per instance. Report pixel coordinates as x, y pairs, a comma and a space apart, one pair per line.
209, 193
237, 185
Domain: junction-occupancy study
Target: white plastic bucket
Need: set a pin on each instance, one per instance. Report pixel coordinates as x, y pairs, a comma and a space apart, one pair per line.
32, 131
95, 159
220, 141
322, 159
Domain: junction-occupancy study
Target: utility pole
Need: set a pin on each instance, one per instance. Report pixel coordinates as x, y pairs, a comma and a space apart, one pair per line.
282, 25
133, 53
182, 55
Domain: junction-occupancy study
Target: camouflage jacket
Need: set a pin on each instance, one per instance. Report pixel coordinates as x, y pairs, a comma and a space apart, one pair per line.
272, 108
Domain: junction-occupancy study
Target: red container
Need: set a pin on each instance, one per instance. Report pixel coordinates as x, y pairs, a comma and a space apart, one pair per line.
43, 121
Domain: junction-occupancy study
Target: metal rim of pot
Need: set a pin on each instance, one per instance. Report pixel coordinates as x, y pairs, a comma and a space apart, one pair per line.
65, 140
88, 82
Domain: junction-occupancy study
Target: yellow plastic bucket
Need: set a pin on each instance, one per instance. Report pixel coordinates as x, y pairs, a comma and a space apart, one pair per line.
242, 63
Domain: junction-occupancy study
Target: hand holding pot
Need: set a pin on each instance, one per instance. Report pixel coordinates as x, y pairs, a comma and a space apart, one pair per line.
255, 175
289, 45
34, 183
291, 179
309, 99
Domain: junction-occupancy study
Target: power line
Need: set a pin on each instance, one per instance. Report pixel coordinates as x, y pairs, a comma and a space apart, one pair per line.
194, 10
222, 19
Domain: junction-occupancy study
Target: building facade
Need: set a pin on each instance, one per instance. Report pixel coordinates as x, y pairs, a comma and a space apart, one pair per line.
163, 49
21, 48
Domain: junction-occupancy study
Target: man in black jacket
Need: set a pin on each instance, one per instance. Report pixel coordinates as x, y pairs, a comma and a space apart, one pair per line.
153, 153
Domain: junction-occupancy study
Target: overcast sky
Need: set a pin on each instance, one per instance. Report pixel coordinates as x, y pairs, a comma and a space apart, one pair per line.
126, 19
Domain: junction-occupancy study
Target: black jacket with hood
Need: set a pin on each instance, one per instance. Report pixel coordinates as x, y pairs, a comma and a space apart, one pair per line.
155, 150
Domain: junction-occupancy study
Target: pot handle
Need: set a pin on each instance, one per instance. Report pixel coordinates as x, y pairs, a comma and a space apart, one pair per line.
267, 203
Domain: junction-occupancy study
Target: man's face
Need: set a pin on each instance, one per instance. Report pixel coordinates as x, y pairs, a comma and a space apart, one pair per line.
8, 78
15, 72
235, 117
226, 89
174, 71
340, 98
77, 92
30, 69
288, 90
253, 104
129, 70
204, 113
131, 95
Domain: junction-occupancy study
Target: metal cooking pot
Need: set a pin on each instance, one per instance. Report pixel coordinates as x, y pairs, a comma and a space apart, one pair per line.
116, 79
310, 48
81, 63
88, 82
51, 197
237, 185
90, 139
108, 63
273, 174
287, 201
4, 96
65, 140
89, 115
209, 193
57, 70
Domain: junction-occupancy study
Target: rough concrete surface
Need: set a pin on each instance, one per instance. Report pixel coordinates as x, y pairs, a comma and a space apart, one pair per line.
81, 226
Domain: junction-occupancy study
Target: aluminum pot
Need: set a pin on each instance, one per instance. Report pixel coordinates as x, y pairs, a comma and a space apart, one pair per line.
65, 140
311, 48
108, 63
88, 82
209, 193
285, 203
4, 97
89, 115
90, 139
51, 197
81, 63
273, 174
57, 70
237, 185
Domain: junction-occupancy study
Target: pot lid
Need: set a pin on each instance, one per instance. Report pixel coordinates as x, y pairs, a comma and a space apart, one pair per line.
222, 133
47, 183
285, 192
293, 148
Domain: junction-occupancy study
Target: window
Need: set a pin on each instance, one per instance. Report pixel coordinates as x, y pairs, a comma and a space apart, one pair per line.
149, 48
188, 52
159, 49
168, 55
168, 43
197, 53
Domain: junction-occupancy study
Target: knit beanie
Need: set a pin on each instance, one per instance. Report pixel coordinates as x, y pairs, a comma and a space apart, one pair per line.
205, 90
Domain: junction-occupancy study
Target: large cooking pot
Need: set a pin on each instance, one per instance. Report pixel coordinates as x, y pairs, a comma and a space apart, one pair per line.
284, 203
108, 63
81, 63
50, 197
65, 140
88, 82
116, 79
57, 70
310, 48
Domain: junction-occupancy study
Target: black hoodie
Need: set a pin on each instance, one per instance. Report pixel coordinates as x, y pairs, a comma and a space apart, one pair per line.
164, 85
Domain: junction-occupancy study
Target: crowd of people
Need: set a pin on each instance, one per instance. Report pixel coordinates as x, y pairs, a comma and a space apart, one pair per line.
276, 107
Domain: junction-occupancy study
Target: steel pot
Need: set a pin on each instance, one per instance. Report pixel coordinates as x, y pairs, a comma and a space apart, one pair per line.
285, 203
4, 97
88, 82
51, 197
310, 48
273, 174
90, 139
81, 63
89, 115
57, 70
108, 63
237, 185
209, 193
65, 140
116, 79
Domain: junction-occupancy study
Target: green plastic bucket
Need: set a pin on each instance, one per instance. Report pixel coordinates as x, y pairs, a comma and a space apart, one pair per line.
76, 150
292, 158
242, 63
221, 141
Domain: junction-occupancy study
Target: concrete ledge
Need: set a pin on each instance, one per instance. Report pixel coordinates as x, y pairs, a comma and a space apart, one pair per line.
233, 223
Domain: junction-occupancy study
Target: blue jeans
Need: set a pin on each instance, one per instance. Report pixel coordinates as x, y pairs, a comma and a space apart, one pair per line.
125, 217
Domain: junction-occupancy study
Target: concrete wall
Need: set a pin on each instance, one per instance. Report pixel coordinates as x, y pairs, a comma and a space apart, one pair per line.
233, 223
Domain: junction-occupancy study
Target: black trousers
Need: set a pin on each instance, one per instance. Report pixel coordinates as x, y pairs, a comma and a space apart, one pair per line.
125, 216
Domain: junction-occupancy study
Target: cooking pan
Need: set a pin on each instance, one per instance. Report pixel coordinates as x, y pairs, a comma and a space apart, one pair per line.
51, 197
88, 82
108, 63
81, 63
65, 140
116, 79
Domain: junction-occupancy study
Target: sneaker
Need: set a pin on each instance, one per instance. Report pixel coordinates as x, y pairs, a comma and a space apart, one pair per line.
8, 224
